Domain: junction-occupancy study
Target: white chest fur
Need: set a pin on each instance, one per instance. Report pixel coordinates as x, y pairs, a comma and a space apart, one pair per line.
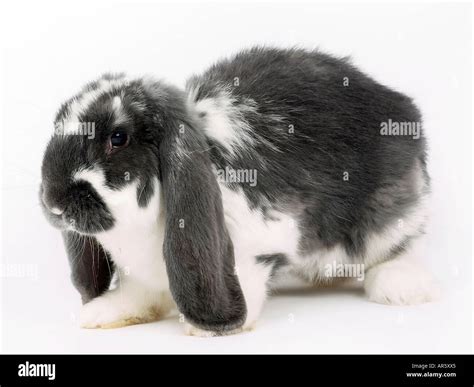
135, 242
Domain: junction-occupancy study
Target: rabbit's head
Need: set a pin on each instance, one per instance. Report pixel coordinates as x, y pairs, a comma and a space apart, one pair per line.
121, 135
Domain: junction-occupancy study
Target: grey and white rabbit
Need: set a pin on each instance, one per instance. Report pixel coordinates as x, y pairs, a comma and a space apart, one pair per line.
270, 163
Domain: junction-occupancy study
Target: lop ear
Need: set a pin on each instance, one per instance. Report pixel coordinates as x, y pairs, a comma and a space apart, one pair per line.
198, 251
91, 267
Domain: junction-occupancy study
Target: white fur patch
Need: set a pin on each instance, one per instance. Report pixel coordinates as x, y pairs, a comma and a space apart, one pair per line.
71, 123
401, 281
225, 121
116, 103
120, 117
254, 235
135, 243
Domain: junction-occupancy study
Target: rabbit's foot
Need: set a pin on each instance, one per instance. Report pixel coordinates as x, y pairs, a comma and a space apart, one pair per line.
116, 309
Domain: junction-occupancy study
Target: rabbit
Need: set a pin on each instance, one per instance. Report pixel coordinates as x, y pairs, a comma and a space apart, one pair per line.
272, 163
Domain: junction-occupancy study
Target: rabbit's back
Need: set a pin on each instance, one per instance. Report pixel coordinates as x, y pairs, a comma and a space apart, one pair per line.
312, 129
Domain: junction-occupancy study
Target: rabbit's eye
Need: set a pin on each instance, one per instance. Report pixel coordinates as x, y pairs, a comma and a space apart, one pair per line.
119, 139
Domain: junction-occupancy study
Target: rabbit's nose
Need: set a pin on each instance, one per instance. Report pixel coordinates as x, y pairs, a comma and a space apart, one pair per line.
54, 209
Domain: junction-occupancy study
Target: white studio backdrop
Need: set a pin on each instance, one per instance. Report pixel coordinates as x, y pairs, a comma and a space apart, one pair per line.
49, 51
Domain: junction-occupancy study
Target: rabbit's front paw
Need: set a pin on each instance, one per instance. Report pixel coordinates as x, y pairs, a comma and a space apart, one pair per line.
115, 310
107, 312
